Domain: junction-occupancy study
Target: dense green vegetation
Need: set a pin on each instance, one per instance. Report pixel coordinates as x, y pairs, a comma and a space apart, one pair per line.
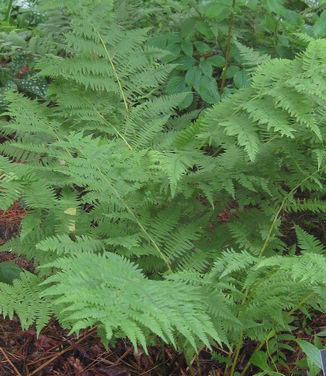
171, 158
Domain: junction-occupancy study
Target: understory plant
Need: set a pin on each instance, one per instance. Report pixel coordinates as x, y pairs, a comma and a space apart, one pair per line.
147, 225
201, 40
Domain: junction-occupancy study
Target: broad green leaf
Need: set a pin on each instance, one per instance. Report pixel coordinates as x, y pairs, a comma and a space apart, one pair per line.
193, 77
241, 79
259, 359
217, 11
232, 70
275, 6
202, 47
208, 90
311, 351
175, 85
204, 29
187, 101
187, 48
9, 271
206, 68
188, 28
217, 61
185, 63
319, 28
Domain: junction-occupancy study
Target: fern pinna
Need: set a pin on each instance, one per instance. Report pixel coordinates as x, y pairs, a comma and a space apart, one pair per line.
124, 198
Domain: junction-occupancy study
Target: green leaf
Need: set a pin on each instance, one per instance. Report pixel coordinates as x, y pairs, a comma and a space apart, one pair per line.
187, 101
187, 48
208, 90
185, 63
9, 271
193, 77
188, 28
241, 79
322, 333
311, 351
206, 68
204, 29
275, 6
217, 61
319, 28
251, 4
259, 359
175, 165
217, 11
175, 85
202, 47
232, 70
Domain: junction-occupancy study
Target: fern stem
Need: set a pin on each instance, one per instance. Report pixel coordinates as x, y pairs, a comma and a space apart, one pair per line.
228, 49
279, 212
304, 300
116, 130
270, 335
272, 226
237, 352
131, 212
113, 69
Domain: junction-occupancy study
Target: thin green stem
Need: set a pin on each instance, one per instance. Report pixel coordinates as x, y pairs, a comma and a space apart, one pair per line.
237, 352
280, 210
116, 130
131, 212
228, 49
272, 227
113, 69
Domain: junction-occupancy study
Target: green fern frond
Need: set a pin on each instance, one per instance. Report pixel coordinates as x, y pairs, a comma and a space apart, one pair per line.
115, 294
308, 243
24, 299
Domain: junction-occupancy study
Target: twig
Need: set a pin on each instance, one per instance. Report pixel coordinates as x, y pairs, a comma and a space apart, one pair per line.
56, 356
228, 48
10, 362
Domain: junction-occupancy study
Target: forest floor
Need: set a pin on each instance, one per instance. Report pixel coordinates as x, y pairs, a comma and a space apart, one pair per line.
54, 352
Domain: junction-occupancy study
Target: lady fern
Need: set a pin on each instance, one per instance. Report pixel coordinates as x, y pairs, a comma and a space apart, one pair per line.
125, 200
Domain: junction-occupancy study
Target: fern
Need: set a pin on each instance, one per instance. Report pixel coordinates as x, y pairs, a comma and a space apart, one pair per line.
147, 226
122, 300
308, 243
24, 298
